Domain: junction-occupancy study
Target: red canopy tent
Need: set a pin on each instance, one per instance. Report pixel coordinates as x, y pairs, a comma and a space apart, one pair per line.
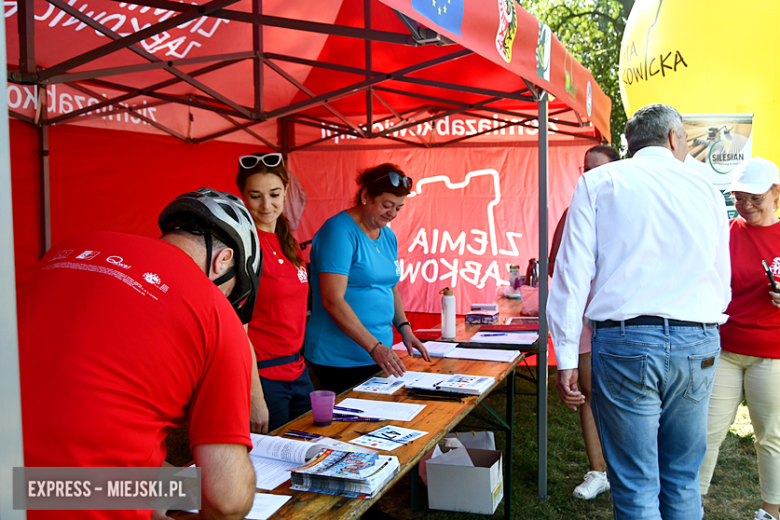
457, 94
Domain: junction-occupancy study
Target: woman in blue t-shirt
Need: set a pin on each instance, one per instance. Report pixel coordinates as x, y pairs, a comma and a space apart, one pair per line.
354, 273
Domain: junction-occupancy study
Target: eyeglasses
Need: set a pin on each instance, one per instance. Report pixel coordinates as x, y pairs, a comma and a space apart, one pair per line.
755, 200
396, 179
271, 160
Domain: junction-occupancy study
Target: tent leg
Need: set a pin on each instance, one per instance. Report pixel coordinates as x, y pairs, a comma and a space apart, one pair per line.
542, 369
11, 447
43, 176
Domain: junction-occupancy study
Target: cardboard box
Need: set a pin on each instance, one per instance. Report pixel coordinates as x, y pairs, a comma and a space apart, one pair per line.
453, 485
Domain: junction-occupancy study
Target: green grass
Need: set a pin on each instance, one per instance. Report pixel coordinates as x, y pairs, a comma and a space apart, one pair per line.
733, 493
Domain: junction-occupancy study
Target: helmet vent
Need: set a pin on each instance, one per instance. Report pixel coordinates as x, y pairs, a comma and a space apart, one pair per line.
230, 211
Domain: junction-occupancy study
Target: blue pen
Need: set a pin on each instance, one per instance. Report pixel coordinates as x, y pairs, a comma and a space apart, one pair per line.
299, 432
498, 334
347, 409
357, 419
298, 436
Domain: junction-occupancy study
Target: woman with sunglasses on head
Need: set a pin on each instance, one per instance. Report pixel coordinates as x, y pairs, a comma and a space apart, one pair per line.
749, 364
355, 304
279, 320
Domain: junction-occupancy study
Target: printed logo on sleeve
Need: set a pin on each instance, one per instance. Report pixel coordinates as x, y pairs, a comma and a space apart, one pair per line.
88, 255
117, 261
61, 254
155, 280
303, 276
775, 267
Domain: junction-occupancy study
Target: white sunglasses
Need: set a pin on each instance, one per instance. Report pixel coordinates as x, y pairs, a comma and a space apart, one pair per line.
270, 160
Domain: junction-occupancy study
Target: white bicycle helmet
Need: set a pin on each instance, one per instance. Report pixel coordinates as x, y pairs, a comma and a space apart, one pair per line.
208, 211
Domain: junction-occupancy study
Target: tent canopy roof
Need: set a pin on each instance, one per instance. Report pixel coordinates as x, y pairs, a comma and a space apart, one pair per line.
236, 69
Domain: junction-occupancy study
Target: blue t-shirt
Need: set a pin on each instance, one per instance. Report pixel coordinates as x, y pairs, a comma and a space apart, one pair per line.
342, 247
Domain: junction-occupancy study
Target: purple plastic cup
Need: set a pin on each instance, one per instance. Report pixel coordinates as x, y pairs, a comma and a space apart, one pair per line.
322, 402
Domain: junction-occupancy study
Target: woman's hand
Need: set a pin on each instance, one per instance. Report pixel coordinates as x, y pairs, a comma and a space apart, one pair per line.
388, 360
411, 342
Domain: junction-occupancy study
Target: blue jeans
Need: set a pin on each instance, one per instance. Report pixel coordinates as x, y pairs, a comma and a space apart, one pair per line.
286, 400
650, 392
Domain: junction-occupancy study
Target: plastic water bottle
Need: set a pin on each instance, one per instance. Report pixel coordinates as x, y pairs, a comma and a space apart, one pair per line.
447, 313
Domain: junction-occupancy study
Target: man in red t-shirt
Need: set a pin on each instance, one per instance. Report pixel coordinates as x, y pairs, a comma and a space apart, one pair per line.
123, 338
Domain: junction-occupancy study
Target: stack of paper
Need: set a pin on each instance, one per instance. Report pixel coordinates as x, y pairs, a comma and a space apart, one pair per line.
354, 475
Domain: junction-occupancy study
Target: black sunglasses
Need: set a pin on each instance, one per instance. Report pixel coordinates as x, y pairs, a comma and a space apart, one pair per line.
270, 160
396, 179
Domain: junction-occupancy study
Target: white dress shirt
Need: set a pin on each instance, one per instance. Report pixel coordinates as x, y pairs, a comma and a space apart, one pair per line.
644, 236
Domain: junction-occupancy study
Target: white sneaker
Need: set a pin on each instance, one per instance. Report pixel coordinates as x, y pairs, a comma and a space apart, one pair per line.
595, 483
763, 515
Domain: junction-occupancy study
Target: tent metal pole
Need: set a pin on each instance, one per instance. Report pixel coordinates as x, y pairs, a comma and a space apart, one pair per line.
11, 444
43, 170
26, 26
257, 63
541, 362
369, 62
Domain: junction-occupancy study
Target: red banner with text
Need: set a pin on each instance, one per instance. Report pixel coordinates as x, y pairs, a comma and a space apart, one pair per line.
472, 212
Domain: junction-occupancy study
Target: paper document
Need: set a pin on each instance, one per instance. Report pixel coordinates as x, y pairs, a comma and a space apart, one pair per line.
484, 354
439, 348
388, 438
380, 385
270, 473
279, 448
383, 409
511, 338
427, 381
265, 504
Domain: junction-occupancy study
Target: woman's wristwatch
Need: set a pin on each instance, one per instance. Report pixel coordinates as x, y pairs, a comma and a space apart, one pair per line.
398, 327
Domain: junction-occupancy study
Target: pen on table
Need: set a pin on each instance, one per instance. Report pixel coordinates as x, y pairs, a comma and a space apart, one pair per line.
347, 409
495, 334
357, 419
296, 435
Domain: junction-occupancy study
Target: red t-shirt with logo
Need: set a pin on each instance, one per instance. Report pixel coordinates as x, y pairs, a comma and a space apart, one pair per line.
279, 320
121, 338
753, 327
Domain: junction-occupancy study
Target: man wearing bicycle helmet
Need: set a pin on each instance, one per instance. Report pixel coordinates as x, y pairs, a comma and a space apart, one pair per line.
124, 337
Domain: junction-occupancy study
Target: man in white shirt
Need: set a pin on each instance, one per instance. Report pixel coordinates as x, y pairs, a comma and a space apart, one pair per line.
647, 239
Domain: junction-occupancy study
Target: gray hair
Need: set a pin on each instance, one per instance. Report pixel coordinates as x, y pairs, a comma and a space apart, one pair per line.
650, 126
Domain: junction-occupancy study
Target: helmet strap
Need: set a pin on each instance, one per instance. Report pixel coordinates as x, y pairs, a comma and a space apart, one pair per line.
207, 238
225, 277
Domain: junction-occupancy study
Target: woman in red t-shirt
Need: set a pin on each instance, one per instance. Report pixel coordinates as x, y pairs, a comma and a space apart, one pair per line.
749, 364
279, 320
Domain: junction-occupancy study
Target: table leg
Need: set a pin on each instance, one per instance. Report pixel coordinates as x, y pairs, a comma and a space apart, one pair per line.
414, 488
510, 409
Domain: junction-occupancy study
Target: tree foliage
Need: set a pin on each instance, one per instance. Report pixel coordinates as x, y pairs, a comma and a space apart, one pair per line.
591, 30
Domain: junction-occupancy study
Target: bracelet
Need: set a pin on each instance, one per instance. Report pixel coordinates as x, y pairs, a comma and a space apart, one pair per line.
398, 327
371, 352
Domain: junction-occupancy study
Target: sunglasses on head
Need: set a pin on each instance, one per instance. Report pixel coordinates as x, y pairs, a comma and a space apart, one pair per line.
396, 179
270, 160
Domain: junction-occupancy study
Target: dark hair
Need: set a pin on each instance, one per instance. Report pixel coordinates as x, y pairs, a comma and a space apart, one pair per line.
650, 126
375, 181
290, 247
607, 150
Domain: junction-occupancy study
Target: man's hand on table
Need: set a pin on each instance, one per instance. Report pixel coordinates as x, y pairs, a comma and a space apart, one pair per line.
411, 342
566, 383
